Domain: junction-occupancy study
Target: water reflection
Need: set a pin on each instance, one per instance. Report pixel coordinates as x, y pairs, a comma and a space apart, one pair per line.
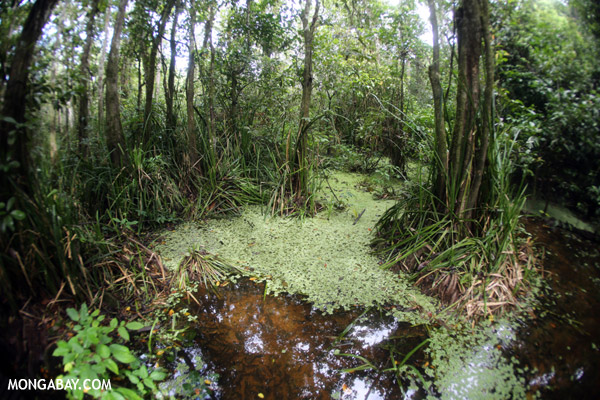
282, 348
372, 335
560, 339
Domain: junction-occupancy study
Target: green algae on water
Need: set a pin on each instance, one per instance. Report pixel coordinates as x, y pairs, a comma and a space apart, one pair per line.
469, 363
326, 258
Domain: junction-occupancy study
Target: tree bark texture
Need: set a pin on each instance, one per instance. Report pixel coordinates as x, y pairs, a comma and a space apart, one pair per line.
84, 66
301, 156
486, 126
212, 138
101, 62
470, 137
16, 91
170, 92
150, 73
189, 89
441, 146
114, 130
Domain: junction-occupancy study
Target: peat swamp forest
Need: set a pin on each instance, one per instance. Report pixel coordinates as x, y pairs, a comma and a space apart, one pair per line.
312, 199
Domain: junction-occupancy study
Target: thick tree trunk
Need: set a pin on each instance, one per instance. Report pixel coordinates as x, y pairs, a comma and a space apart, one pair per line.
84, 112
150, 72
189, 89
114, 131
170, 92
301, 156
460, 187
483, 134
441, 147
468, 23
16, 92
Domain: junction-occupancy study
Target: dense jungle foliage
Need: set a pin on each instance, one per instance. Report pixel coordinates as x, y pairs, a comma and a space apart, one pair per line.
119, 118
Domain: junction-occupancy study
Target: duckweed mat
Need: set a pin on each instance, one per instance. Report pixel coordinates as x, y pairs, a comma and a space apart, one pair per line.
326, 258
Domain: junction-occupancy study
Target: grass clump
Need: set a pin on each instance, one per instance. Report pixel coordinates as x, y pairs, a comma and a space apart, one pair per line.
200, 266
479, 266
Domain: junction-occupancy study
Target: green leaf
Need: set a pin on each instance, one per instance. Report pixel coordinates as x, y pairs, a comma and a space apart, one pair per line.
128, 393
10, 120
150, 384
61, 349
132, 378
142, 372
157, 375
83, 313
73, 314
111, 365
103, 351
122, 353
123, 333
75, 345
113, 395
100, 369
18, 215
134, 326
113, 323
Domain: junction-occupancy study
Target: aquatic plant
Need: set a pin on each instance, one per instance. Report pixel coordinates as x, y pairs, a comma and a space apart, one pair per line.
468, 362
327, 258
200, 266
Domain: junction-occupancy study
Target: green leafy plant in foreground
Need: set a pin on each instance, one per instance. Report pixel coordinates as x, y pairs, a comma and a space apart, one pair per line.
92, 353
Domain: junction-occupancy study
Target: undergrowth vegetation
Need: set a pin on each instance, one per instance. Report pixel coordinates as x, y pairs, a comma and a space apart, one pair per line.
482, 265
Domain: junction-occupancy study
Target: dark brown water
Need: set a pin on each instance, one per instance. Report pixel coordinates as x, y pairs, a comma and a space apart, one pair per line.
281, 348
561, 339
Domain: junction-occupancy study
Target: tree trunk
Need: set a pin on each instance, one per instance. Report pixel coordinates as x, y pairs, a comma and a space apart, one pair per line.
233, 110
468, 150
114, 131
483, 134
212, 139
170, 92
150, 72
16, 92
441, 147
83, 115
397, 137
301, 164
189, 89
101, 69
6, 44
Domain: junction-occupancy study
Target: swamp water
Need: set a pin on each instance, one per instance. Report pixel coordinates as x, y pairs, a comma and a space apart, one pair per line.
285, 348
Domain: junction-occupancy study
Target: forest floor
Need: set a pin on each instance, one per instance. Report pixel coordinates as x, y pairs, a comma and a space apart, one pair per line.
326, 258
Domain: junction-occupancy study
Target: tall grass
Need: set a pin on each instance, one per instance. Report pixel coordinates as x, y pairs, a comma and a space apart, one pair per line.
482, 269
